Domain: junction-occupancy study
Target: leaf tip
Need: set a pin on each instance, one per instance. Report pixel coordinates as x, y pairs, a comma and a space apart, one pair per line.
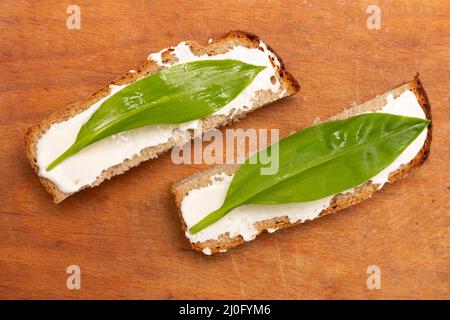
51, 165
260, 68
196, 228
60, 159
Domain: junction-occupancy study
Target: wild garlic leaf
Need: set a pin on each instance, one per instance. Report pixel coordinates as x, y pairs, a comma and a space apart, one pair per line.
181, 93
321, 161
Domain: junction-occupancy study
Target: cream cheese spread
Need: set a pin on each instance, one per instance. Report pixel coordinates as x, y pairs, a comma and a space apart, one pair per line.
241, 221
83, 168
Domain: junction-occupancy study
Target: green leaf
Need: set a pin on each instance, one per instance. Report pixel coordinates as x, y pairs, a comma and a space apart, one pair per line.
175, 95
321, 161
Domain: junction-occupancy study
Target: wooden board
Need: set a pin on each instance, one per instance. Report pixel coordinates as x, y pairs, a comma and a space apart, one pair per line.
125, 234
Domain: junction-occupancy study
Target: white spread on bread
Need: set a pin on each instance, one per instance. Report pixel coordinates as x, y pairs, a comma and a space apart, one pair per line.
83, 168
241, 221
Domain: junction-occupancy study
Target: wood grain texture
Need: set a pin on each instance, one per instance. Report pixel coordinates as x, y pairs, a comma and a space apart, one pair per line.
125, 234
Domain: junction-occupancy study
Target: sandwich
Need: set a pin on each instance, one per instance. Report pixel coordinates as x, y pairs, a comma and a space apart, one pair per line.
323, 169
177, 94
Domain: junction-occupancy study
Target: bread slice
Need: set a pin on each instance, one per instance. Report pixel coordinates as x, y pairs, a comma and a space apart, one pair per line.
338, 202
222, 44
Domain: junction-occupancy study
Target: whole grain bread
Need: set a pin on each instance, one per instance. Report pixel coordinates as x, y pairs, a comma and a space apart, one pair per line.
339, 202
215, 46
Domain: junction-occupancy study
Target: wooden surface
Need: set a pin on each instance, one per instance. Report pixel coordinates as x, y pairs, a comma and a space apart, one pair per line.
125, 234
